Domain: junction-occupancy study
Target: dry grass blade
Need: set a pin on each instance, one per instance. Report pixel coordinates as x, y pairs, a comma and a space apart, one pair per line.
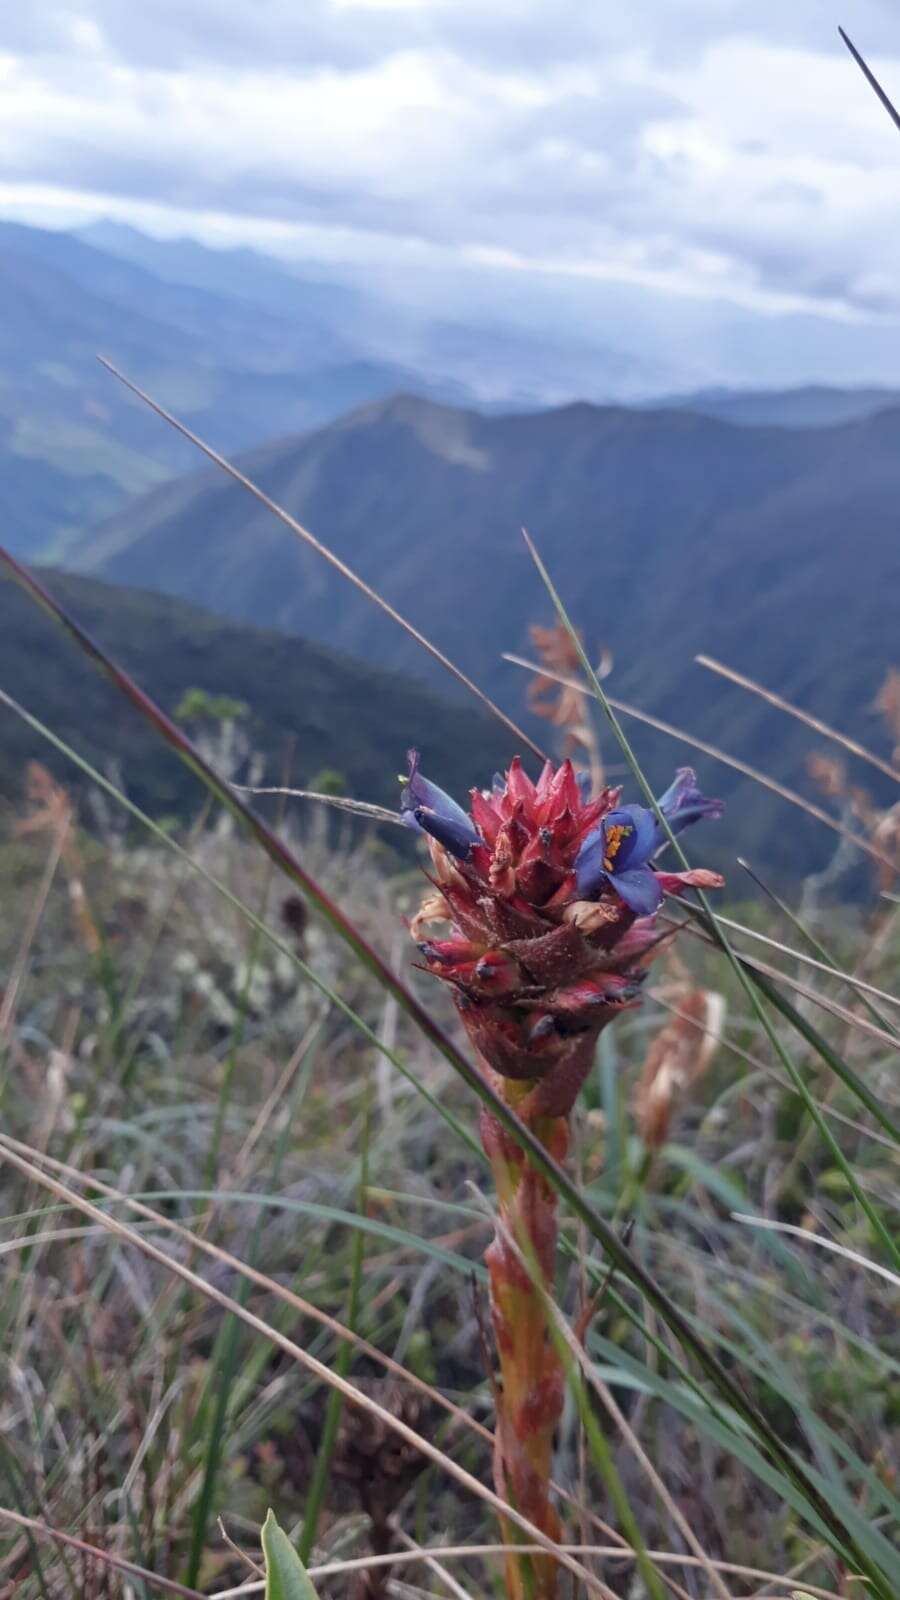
304, 1359
273, 846
763, 1067
20, 965
568, 710
118, 1563
743, 767
810, 961
280, 1291
678, 1518
871, 79
816, 1505
322, 550
805, 717
462, 1552
271, 1285
831, 1006
760, 994
675, 1062
360, 808
236, 1550
820, 1239
276, 850
433, 1565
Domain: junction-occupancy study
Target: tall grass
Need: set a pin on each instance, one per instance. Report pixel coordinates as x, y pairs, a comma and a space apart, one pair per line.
136, 1414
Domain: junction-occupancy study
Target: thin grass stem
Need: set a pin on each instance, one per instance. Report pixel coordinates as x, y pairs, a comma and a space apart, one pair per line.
809, 721
319, 1481
298, 529
746, 771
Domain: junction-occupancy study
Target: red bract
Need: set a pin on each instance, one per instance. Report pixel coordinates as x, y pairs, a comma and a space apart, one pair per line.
536, 971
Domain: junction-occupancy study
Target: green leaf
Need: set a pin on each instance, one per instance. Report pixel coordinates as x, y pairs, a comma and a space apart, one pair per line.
286, 1576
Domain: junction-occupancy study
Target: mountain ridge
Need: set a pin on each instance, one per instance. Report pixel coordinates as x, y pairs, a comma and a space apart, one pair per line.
310, 706
802, 406
667, 533
246, 347
74, 445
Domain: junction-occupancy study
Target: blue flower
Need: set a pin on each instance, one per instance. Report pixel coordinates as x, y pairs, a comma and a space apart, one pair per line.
427, 809
619, 850
683, 803
616, 853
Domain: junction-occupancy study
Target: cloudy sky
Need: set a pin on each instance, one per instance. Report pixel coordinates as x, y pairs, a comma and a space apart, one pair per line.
704, 146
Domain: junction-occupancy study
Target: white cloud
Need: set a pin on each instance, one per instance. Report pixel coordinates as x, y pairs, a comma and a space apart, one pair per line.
711, 147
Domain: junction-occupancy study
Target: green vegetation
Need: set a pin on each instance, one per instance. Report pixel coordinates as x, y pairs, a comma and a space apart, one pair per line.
307, 709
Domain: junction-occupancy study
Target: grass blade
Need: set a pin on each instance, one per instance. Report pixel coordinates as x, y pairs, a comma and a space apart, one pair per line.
828, 963
805, 1028
819, 1239
303, 1357
286, 1576
224, 1360
118, 1563
284, 949
322, 550
713, 751
777, 700
871, 79
319, 1481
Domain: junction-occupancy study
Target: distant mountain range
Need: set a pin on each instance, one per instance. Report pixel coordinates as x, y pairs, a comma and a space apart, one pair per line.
310, 708
668, 533
247, 348
74, 446
757, 525
812, 406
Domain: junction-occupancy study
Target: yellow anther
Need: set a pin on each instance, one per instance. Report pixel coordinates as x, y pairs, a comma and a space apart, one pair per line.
614, 837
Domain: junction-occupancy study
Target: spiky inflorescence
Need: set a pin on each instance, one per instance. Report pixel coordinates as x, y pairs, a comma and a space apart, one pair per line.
551, 899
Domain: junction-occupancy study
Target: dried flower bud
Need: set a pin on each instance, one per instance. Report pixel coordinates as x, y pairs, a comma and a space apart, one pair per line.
434, 908
828, 773
676, 1060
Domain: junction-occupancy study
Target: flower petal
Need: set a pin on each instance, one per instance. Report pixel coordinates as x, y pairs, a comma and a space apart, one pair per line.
640, 842
417, 791
696, 878
683, 803
457, 837
426, 808
589, 869
638, 887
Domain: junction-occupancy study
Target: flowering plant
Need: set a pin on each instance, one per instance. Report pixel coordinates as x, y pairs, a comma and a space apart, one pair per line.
551, 895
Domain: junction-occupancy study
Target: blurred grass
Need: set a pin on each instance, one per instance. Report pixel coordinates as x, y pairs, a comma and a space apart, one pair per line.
112, 1438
